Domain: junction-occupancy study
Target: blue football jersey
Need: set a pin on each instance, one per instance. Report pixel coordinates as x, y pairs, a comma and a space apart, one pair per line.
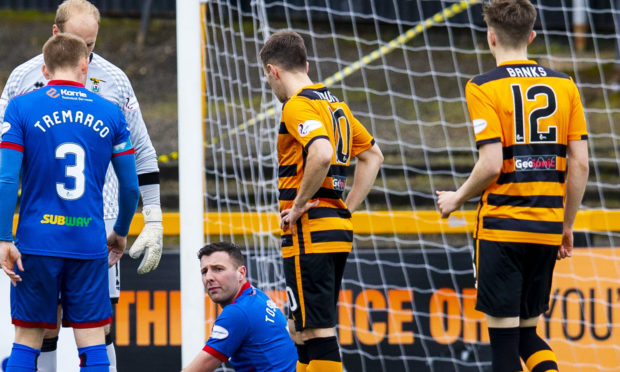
68, 135
252, 333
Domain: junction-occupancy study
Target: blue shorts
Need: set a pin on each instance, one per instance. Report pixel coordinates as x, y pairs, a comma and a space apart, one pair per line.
82, 284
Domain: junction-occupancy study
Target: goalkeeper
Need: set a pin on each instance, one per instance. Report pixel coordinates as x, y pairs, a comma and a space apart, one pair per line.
532, 171
81, 18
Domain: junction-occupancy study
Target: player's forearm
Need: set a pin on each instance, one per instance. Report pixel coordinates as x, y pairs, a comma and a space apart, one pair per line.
317, 166
10, 165
486, 170
128, 192
576, 180
368, 165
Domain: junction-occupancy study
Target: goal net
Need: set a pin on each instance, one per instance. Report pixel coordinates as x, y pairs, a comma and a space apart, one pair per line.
408, 296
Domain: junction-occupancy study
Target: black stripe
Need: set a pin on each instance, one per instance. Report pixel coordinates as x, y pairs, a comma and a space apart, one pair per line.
584, 137
148, 179
534, 149
327, 194
531, 176
545, 365
372, 143
331, 236
535, 201
300, 238
513, 224
486, 141
324, 212
290, 194
312, 141
287, 170
282, 129
501, 72
286, 240
311, 94
287, 194
337, 170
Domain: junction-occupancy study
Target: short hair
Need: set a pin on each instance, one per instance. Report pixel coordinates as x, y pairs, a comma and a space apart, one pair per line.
233, 250
512, 20
285, 49
64, 50
70, 7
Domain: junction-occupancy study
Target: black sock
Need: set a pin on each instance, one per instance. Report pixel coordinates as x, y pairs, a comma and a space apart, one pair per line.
505, 349
323, 348
530, 344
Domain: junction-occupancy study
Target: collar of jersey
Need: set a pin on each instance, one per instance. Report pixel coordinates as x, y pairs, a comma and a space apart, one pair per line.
313, 86
243, 288
519, 62
65, 82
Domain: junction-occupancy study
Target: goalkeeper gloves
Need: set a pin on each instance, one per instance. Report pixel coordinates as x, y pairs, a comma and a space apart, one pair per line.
150, 240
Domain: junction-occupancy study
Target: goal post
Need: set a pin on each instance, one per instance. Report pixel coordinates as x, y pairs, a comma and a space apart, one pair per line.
191, 174
407, 300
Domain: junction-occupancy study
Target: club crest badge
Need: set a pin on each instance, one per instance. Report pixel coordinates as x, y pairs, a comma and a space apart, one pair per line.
96, 84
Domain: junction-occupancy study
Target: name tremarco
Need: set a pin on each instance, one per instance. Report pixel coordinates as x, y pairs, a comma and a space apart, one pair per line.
69, 116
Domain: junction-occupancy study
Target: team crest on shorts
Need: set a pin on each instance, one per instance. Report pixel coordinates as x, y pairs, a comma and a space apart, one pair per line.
96, 84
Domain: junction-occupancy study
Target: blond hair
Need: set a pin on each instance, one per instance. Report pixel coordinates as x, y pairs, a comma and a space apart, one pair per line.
64, 51
70, 7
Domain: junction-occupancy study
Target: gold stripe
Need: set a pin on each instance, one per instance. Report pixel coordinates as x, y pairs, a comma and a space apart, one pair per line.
364, 223
539, 357
300, 292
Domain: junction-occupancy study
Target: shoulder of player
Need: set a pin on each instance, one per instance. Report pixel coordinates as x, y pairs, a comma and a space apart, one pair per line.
20, 74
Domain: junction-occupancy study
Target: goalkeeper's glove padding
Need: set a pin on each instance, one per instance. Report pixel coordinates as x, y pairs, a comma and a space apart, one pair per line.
150, 240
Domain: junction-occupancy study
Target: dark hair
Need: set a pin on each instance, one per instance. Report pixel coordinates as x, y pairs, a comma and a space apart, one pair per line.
64, 50
233, 250
285, 49
512, 20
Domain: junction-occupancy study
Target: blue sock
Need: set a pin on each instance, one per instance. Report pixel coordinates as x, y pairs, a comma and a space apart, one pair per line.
23, 359
94, 358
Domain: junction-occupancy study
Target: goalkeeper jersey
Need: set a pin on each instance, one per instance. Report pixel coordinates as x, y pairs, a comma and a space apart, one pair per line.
67, 135
111, 83
310, 114
534, 112
252, 333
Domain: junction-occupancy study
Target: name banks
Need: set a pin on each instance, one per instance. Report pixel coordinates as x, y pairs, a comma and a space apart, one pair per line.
72, 117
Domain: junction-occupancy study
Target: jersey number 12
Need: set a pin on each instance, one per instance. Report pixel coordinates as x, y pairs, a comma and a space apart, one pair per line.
536, 135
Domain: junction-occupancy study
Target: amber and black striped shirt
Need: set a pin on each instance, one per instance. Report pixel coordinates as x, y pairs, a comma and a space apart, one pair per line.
533, 111
310, 114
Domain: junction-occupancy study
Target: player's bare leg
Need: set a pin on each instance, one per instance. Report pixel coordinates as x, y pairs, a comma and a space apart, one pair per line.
91, 349
47, 360
323, 350
534, 351
302, 350
25, 349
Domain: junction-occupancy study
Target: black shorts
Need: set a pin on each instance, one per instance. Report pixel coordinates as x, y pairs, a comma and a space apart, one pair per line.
514, 279
313, 285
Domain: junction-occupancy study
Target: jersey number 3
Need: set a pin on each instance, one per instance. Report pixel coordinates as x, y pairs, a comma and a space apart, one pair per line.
75, 171
531, 94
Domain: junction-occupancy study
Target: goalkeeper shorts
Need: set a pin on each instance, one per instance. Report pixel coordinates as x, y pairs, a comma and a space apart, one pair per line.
82, 284
513, 279
313, 286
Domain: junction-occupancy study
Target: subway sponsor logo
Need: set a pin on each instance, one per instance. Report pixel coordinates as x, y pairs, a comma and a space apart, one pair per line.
54, 219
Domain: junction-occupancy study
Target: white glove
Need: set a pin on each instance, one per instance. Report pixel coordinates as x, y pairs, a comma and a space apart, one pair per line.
150, 240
